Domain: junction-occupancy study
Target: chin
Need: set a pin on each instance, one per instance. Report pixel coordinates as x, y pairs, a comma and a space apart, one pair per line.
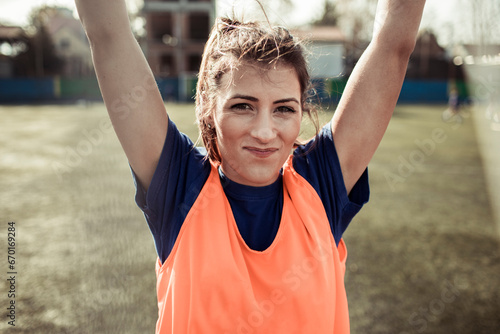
254, 173
260, 177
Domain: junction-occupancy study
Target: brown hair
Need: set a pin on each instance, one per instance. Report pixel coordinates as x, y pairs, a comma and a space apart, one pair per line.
252, 43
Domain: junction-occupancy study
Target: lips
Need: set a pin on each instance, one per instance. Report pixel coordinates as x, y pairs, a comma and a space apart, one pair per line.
261, 152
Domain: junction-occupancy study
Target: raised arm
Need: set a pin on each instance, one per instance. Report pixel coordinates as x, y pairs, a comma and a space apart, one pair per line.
127, 84
366, 106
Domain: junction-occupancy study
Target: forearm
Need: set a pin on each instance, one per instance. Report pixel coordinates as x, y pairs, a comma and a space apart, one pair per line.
373, 88
103, 20
127, 84
118, 60
396, 24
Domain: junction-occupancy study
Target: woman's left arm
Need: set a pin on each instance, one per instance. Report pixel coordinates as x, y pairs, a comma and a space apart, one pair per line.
368, 101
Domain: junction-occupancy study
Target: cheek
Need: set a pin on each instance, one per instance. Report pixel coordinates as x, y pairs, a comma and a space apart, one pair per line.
228, 131
290, 130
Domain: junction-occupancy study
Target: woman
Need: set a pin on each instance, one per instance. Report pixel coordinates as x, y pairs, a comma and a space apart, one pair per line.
248, 235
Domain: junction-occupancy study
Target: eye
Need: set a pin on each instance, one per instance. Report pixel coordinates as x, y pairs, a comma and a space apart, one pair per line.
285, 109
241, 107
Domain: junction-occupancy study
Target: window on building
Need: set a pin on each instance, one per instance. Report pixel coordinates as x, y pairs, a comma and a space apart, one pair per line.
64, 43
199, 26
161, 25
167, 65
194, 61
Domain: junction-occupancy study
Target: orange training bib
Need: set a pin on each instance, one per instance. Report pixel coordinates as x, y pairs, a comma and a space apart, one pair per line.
212, 282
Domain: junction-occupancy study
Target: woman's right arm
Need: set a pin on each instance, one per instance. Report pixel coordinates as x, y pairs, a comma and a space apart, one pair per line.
127, 84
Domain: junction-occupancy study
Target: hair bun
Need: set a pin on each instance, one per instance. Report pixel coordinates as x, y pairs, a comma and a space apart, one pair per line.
226, 24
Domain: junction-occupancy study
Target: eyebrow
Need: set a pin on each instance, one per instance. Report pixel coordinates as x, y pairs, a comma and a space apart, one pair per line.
254, 99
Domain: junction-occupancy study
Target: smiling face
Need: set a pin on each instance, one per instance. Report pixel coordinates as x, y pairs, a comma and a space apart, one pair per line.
257, 120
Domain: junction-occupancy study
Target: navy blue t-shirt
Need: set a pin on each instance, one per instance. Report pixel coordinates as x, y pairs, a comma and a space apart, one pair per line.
183, 170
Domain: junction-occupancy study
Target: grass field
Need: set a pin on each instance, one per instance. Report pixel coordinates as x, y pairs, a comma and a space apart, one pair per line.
423, 254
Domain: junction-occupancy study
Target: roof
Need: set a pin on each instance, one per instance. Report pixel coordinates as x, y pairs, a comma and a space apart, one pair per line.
329, 34
58, 23
481, 50
9, 33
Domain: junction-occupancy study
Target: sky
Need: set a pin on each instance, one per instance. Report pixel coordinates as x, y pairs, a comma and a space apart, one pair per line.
16, 12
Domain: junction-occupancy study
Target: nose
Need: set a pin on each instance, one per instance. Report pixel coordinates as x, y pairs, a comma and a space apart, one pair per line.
263, 128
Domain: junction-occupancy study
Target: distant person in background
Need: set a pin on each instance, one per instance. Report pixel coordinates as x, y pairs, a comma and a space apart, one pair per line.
454, 114
454, 101
249, 233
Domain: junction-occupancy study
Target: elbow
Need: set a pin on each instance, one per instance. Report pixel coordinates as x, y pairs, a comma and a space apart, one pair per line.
108, 37
97, 35
399, 46
406, 47
104, 29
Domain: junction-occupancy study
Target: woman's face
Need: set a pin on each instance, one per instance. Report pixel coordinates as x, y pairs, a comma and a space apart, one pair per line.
257, 120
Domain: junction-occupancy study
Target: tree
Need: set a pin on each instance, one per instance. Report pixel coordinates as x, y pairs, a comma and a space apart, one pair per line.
483, 23
330, 15
40, 58
272, 10
356, 19
469, 22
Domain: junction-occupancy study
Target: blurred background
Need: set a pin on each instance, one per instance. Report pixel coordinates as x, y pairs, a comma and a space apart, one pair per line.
424, 254
44, 54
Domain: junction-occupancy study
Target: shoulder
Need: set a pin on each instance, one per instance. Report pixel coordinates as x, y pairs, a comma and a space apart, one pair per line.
181, 167
317, 154
317, 162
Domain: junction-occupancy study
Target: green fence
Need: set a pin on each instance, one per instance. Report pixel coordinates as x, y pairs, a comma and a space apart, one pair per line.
71, 89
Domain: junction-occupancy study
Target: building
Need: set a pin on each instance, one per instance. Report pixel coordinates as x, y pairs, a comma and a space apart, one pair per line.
326, 50
70, 42
13, 40
177, 31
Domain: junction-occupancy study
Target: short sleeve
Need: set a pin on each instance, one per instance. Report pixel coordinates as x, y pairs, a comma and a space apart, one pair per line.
179, 176
318, 163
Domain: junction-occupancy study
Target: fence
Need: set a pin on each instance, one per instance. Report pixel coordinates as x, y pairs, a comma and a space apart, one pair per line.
413, 91
50, 90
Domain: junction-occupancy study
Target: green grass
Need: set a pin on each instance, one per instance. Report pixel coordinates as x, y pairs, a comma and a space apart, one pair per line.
423, 254
418, 237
